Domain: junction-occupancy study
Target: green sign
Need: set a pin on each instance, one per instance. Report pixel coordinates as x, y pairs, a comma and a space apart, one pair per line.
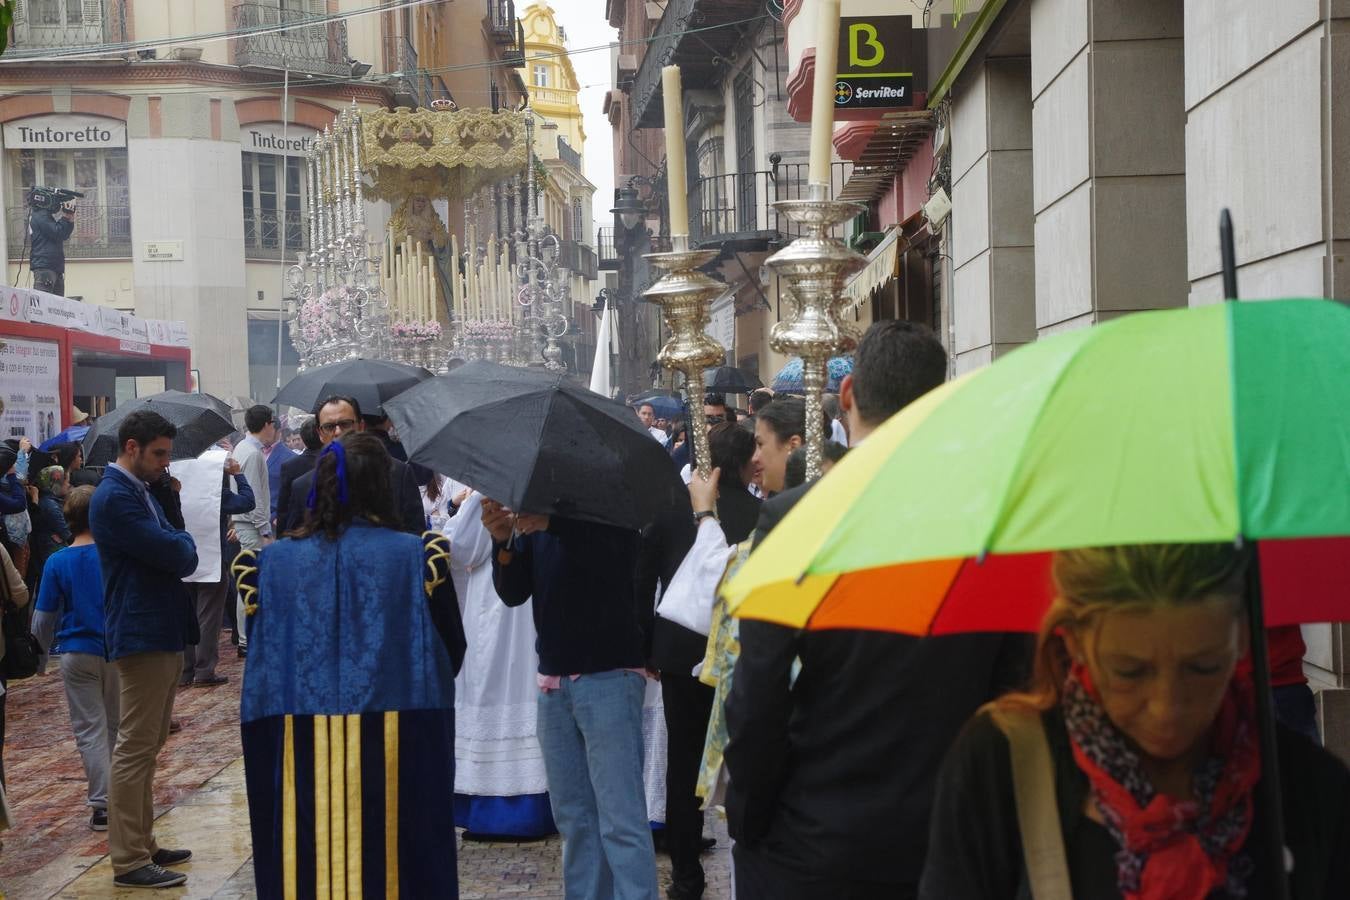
875, 63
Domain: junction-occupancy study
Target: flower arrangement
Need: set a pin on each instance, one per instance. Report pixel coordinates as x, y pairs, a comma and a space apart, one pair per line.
475, 330
429, 330
326, 316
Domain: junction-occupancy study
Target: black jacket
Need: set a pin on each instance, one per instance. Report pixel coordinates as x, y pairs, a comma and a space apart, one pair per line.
292, 469
976, 846
583, 578
407, 499
833, 774
49, 236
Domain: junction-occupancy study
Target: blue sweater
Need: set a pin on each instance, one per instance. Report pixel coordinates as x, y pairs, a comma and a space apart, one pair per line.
72, 590
144, 559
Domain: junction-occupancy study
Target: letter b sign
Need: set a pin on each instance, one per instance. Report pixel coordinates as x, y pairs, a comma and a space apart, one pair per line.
864, 50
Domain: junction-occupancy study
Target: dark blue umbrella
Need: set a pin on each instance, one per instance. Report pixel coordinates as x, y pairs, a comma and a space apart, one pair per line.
664, 405
789, 378
72, 435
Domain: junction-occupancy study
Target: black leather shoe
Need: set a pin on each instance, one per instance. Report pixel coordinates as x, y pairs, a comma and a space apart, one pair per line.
164, 857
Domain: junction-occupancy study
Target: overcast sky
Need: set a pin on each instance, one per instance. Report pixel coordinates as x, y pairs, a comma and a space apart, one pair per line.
586, 26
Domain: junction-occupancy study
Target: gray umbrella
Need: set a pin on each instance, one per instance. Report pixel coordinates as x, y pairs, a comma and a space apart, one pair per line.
201, 420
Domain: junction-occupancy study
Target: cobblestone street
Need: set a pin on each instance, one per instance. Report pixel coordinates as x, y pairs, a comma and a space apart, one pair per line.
200, 803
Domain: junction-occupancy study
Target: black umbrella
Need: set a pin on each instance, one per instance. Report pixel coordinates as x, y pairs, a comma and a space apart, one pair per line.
201, 419
369, 382
730, 380
537, 443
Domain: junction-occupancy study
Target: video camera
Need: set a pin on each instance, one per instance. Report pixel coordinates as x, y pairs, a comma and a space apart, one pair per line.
51, 199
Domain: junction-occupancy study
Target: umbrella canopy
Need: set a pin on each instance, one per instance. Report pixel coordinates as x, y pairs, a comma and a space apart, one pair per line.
72, 435
201, 419
664, 405
789, 378
1181, 426
537, 443
731, 380
369, 382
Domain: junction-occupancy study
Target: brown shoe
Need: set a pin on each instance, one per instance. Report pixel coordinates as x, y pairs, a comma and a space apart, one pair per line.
175, 726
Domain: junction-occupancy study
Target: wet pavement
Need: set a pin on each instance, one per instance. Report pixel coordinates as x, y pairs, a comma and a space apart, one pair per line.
200, 804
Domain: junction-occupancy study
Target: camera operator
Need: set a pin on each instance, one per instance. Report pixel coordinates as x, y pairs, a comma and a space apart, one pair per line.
49, 234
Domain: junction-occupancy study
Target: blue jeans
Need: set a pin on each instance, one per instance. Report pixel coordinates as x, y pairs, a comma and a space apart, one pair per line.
590, 731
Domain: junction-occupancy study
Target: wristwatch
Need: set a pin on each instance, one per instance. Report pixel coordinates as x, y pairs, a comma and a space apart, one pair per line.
704, 514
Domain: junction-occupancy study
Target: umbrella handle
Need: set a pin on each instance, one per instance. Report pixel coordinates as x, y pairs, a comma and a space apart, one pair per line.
1228, 255
1269, 785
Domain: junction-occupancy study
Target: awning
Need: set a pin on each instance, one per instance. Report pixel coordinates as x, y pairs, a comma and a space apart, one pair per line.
880, 269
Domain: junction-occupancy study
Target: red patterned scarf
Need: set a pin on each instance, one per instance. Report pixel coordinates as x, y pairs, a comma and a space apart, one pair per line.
1172, 849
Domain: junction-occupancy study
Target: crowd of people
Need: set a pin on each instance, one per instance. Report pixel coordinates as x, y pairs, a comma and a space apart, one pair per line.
421, 657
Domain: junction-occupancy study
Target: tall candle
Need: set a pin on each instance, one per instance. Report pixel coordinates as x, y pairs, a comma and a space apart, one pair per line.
822, 97
676, 179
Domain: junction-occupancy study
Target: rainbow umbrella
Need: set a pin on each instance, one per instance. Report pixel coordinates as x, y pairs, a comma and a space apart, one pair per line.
1219, 423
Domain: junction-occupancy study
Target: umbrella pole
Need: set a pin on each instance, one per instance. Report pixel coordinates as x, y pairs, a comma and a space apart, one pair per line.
1269, 786
1227, 255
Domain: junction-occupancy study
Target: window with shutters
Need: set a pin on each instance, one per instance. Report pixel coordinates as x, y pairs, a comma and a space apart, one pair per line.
103, 215
62, 23
262, 182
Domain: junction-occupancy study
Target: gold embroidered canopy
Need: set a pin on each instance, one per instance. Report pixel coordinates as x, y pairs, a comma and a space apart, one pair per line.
441, 153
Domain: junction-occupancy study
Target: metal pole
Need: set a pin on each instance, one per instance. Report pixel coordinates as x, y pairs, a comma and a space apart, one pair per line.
281, 300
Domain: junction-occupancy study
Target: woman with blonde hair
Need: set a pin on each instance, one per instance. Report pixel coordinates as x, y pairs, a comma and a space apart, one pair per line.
1129, 769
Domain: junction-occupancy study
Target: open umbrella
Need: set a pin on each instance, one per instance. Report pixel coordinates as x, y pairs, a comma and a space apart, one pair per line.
201, 420
538, 443
1220, 423
730, 380
789, 378
664, 405
368, 381
72, 435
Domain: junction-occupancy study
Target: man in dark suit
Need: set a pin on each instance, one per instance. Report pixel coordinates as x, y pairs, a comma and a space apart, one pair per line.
294, 468
338, 416
831, 775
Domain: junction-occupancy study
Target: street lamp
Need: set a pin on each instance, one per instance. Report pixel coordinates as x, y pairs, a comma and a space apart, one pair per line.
628, 207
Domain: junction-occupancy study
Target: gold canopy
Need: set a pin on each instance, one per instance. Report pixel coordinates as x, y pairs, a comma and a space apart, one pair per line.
441, 153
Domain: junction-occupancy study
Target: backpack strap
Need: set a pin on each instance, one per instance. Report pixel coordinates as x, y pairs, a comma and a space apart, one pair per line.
1038, 820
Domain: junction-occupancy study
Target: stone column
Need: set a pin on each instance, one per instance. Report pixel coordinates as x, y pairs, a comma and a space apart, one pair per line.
1108, 123
993, 254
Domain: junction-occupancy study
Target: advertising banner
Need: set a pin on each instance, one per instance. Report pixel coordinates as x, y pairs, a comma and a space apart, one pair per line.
30, 389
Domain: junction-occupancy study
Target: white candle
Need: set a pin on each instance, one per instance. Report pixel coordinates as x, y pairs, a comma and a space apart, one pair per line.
822, 97
676, 179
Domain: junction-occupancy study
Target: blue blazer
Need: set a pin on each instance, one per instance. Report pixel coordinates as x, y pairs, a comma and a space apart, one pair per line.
144, 560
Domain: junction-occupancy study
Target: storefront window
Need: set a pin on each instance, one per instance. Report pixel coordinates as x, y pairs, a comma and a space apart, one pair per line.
262, 177
103, 220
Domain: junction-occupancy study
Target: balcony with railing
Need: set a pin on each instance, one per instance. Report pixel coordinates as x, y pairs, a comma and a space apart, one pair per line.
605, 249
739, 206
42, 25
101, 232
401, 57
313, 47
262, 234
501, 20
577, 258
567, 155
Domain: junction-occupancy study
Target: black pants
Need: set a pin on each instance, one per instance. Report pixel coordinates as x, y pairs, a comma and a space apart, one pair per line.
688, 704
49, 281
760, 878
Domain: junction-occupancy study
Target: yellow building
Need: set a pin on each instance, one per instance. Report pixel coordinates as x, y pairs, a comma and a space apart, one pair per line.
565, 196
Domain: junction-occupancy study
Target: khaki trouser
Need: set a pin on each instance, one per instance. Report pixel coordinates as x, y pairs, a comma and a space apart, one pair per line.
149, 681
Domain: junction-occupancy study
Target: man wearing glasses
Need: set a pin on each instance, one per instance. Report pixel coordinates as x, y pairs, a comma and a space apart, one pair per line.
341, 415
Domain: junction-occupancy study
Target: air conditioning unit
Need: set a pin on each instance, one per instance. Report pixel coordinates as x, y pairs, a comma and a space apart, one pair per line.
937, 209
187, 54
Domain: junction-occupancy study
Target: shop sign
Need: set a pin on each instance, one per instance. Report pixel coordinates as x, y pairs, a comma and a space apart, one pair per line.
268, 138
22, 305
64, 131
876, 68
30, 372
134, 347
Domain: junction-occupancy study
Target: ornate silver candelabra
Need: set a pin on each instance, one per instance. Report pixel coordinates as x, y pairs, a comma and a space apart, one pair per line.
340, 310
816, 266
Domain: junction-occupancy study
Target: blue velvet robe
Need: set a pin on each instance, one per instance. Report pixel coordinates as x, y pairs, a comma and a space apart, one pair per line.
348, 717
